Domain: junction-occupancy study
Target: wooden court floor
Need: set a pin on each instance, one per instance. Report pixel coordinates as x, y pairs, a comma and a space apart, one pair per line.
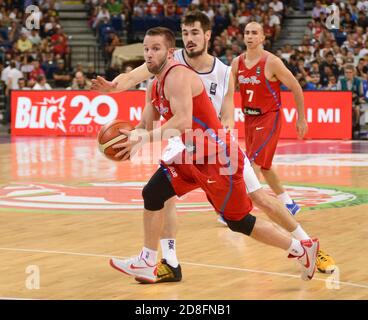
65, 210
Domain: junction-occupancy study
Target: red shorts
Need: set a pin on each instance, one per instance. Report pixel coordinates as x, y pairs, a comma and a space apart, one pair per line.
261, 136
226, 193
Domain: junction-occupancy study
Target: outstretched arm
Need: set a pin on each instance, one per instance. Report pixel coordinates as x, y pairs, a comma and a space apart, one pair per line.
123, 81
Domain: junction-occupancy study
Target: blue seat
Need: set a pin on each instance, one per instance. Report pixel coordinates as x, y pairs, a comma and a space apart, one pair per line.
117, 23
153, 21
172, 23
138, 25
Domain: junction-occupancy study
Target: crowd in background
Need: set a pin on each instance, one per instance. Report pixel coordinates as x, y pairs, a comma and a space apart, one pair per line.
328, 58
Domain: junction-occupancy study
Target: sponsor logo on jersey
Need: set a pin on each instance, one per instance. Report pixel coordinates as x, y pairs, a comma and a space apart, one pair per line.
252, 111
258, 71
213, 88
248, 80
162, 110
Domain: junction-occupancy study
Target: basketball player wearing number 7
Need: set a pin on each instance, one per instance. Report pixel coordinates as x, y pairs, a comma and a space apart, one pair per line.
196, 34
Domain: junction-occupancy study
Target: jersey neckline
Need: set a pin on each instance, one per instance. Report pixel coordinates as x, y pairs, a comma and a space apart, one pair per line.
213, 65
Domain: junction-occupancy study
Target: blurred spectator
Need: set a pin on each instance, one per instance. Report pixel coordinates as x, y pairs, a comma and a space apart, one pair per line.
80, 82
41, 84
14, 31
329, 62
293, 65
275, 23
354, 84
23, 44
22, 84
113, 42
362, 20
363, 6
315, 79
37, 70
4, 73
13, 76
91, 73
114, 7
78, 68
277, 7
306, 85
332, 83
171, 9
35, 38
50, 26
154, 8
103, 14
362, 68
48, 65
26, 66
61, 75
59, 41
364, 50
317, 10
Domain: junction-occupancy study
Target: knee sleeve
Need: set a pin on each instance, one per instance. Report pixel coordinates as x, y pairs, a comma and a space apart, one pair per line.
157, 191
244, 225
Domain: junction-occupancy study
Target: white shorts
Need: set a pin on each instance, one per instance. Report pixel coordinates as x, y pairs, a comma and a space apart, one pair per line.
250, 178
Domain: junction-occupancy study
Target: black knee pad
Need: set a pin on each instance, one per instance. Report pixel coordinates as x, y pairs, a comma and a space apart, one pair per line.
157, 191
244, 225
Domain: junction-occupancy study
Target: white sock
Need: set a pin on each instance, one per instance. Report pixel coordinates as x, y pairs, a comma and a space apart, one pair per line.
169, 252
296, 248
149, 255
300, 234
285, 198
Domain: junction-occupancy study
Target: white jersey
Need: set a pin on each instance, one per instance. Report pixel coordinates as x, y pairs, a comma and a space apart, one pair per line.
216, 81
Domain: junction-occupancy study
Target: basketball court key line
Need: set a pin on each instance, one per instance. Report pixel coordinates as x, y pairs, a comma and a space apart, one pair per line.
187, 263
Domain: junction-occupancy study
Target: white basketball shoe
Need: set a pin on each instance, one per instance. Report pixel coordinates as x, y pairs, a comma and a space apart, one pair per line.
136, 267
308, 259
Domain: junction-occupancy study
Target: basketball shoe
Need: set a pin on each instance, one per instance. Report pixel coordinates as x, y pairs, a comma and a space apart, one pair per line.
293, 208
165, 273
308, 258
136, 267
325, 263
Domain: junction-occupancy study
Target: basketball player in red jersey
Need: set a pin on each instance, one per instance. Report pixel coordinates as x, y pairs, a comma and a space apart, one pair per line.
258, 74
188, 107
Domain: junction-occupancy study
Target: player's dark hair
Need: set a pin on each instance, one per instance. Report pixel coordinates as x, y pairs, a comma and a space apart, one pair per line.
193, 16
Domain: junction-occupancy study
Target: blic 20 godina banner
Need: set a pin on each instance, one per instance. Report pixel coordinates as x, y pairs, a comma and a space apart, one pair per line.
82, 113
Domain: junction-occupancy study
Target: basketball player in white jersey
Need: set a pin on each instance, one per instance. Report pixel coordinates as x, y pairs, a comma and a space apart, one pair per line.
216, 76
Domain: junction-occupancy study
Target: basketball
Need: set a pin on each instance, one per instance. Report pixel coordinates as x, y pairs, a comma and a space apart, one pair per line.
109, 135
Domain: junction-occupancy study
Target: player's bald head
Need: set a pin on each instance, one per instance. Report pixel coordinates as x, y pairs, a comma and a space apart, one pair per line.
254, 26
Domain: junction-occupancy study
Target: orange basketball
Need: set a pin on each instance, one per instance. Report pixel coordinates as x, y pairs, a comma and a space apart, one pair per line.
110, 135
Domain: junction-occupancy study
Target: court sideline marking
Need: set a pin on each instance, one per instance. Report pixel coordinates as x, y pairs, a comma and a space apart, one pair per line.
188, 263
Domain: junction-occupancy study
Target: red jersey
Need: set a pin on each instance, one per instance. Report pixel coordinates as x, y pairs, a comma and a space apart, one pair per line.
204, 119
258, 95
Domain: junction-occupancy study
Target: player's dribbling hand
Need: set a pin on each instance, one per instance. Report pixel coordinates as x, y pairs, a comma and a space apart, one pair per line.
301, 128
102, 85
136, 138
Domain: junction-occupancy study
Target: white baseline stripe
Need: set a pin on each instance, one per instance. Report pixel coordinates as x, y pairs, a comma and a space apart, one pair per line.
186, 263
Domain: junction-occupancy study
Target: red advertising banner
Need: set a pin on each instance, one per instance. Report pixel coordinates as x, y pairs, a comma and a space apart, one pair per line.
82, 113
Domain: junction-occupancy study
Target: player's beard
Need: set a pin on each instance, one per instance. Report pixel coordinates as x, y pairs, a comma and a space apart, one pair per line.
157, 69
193, 54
